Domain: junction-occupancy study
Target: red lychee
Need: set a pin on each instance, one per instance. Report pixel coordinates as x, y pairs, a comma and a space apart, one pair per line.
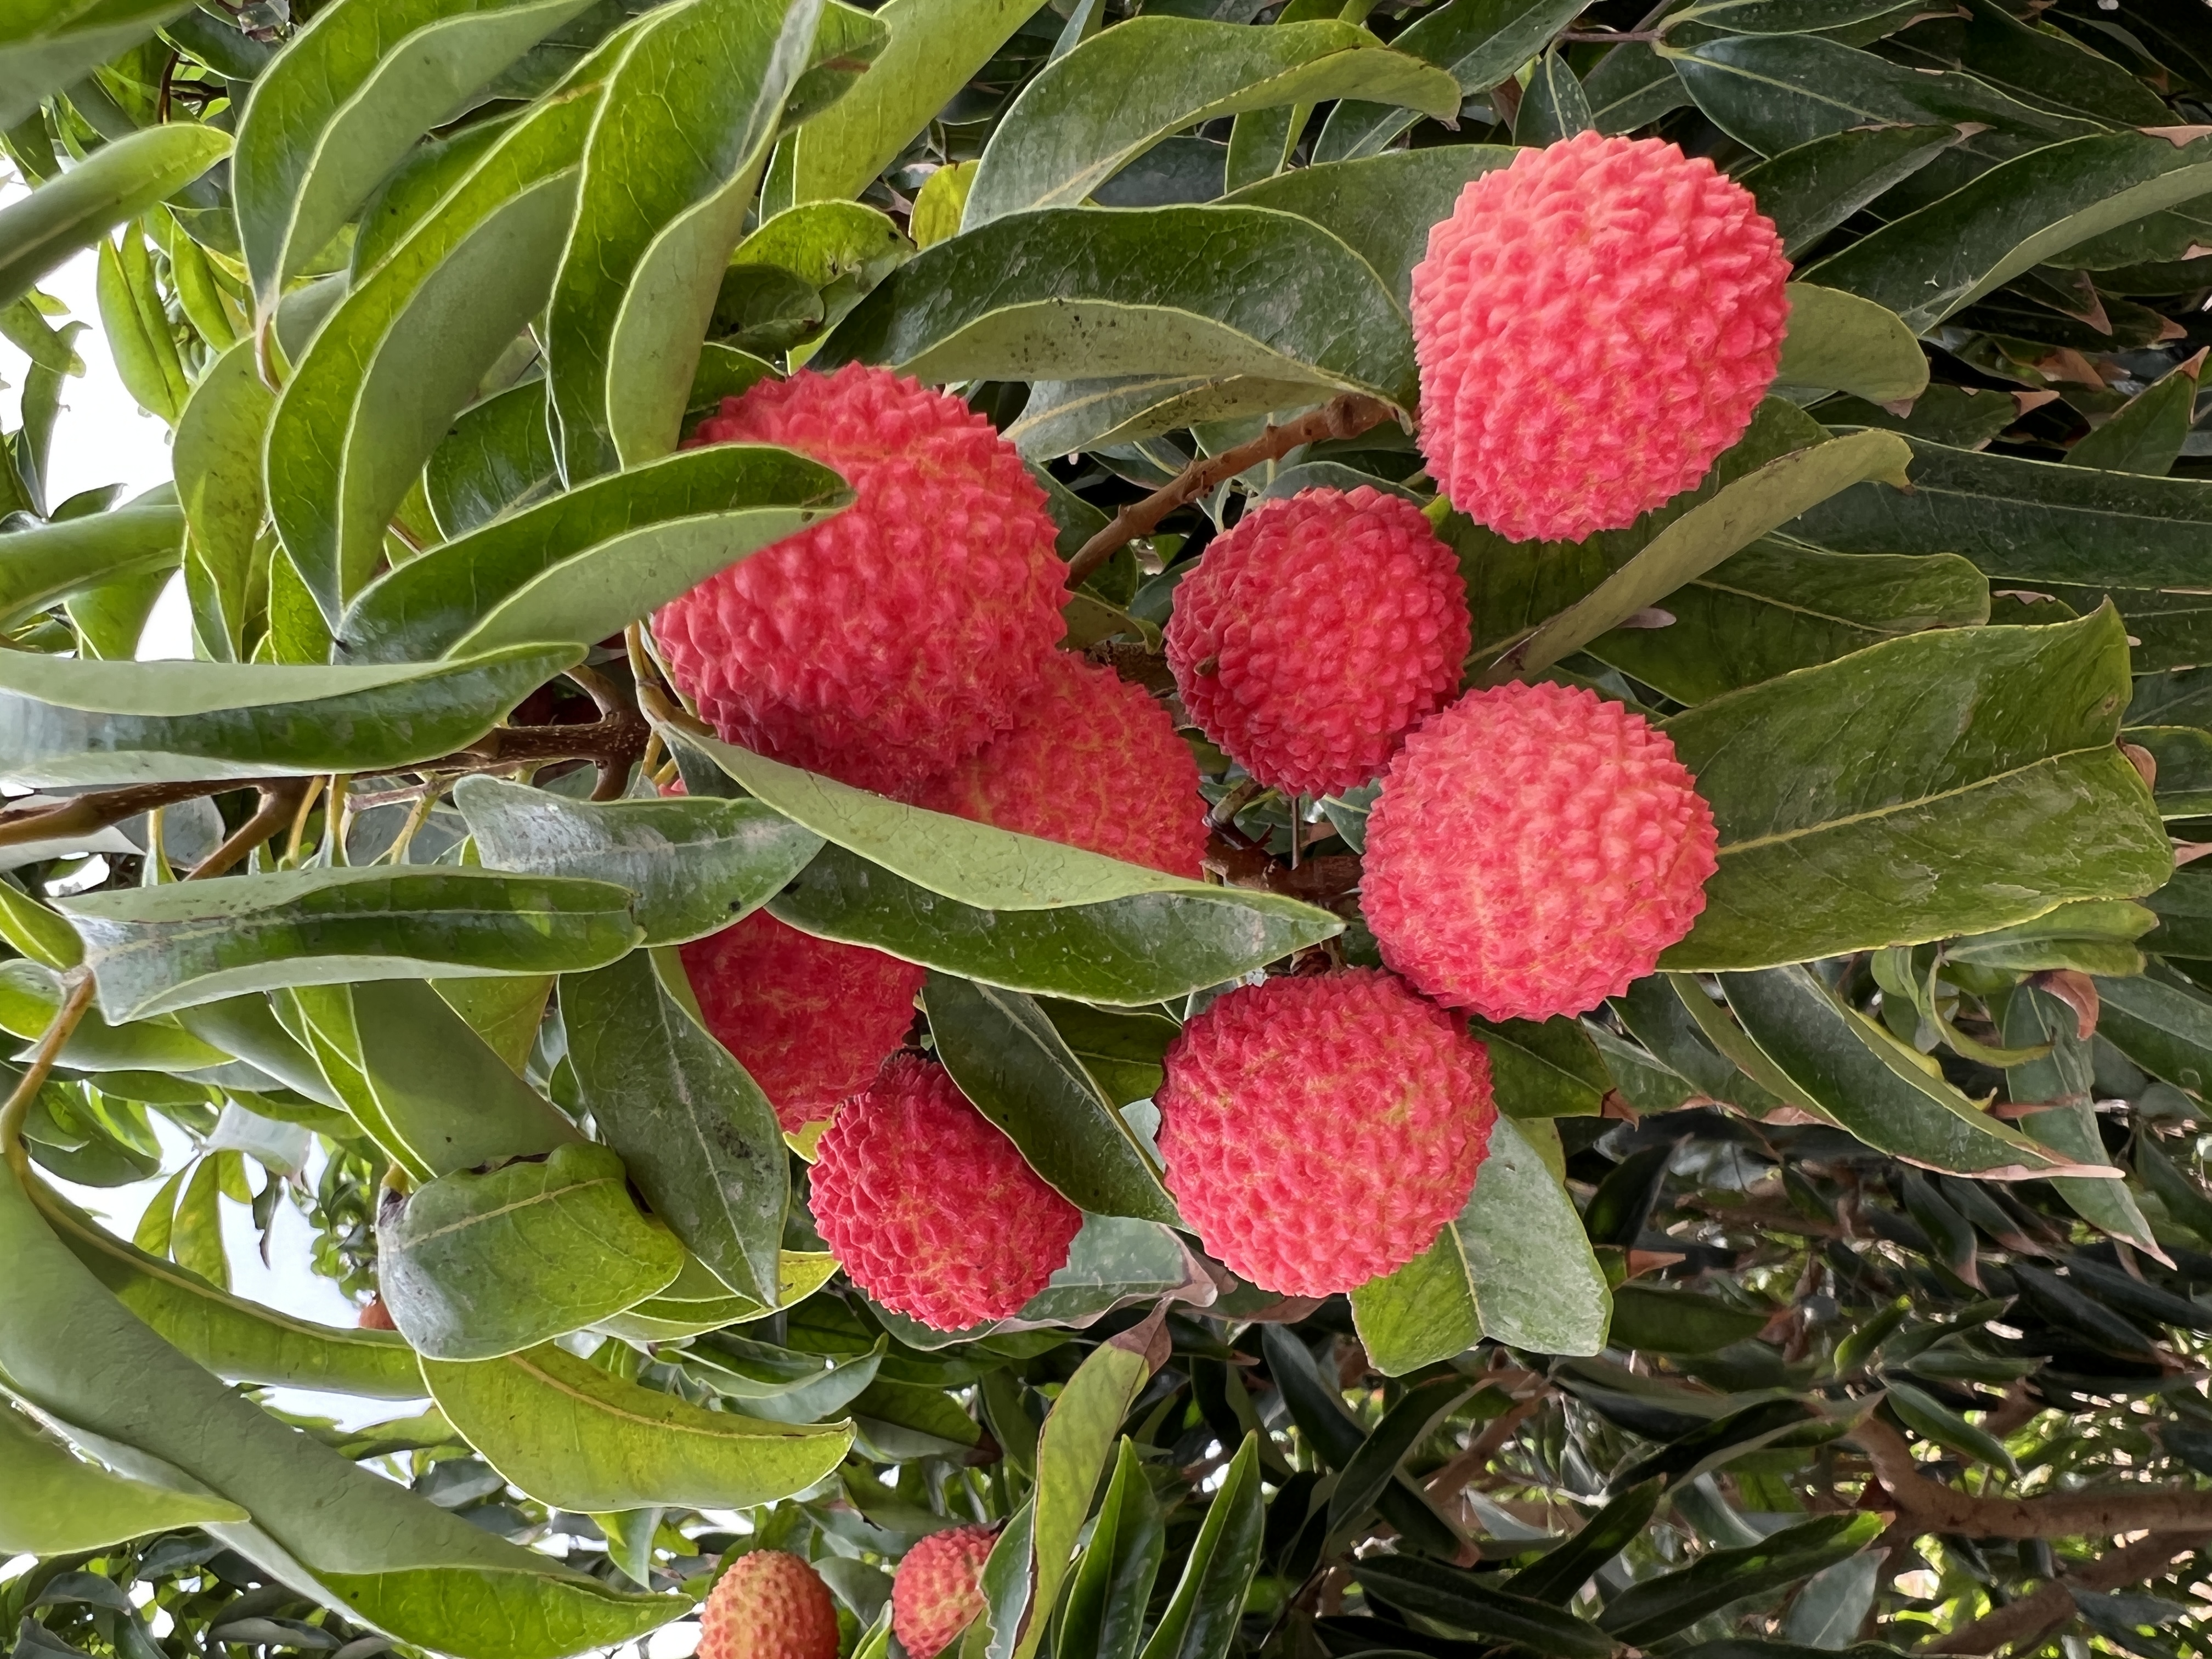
930, 1209
1092, 762
1535, 848
1594, 323
883, 644
768, 1606
809, 1019
935, 1593
1318, 1131
1316, 633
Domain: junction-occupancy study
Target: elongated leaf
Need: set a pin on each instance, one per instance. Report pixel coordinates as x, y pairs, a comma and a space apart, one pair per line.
1076, 292
115, 183
1480, 41
1559, 1575
1834, 838
1844, 343
158, 948
218, 468
1422, 1313
1656, 1607
53, 1502
2148, 434
695, 1301
73, 556
1632, 87
1008, 1059
1372, 1469
2163, 1025
574, 1436
1093, 112
1810, 190
1200, 1620
1104, 1616
1456, 1597
497, 454
43, 47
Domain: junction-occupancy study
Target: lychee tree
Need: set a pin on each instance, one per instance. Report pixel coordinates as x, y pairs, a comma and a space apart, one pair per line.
1137, 830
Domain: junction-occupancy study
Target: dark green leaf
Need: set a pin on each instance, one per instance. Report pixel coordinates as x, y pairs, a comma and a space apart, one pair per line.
1104, 1615
1460, 1599
1553, 106
1809, 190
1645, 1612
1669, 1321
1480, 41
2145, 436
1200, 1620
1373, 1468
2162, 1023
497, 454
1559, 1575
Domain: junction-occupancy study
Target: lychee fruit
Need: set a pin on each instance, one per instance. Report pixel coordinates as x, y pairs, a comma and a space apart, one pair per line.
809, 1018
884, 643
935, 1593
1316, 633
768, 1605
1318, 1131
1092, 762
1534, 849
1593, 323
930, 1209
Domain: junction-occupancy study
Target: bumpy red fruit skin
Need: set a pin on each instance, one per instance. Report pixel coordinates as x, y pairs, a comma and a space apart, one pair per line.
883, 644
1318, 1131
1593, 323
809, 1019
930, 1209
768, 1606
933, 1593
1535, 848
1314, 635
1092, 762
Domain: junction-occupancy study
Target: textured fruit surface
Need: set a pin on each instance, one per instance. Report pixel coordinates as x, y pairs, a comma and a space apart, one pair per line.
933, 1593
884, 643
1315, 632
768, 1606
929, 1208
1092, 762
1594, 323
811, 1019
1535, 848
1318, 1131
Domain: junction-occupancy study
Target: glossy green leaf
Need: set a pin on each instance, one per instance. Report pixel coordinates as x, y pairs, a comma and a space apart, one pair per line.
2092, 935
158, 948
1091, 114
114, 183
1975, 784
1632, 87
218, 457
695, 1301
2183, 757
2147, 435
1655, 1608
1932, 1420
1373, 1468
137, 327
1122, 1049
475, 1265
1009, 1059
1669, 1321
1480, 41
1544, 1068
53, 1502
496, 454
73, 556
1553, 106
1557, 1575
2162, 1023
1809, 190
1106, 1598
1064, 416
1456, 1597
1841, 342
1201, 1616
577, 1438
64, 721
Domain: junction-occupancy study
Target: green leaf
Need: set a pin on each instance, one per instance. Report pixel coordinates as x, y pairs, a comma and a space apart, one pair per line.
67, 721
1201, 1616
2094, 935
699, 1137
1841, 342
497, 454
1929, 263
477, 1265
1010, 1060
74, 556
2183, 756
577, 1438
1669, 1321
1809, 190
1544, 1068
114, 183
698, 1302
1106, 1599
1454, 1596
218, 457
1373, 1469
1557, 1575
196, 1235
1932, 1420
1080, 292
2162, 1023
1632, 87
2146, 436
1091, 114
1122, 1049
138, 330
157, 948
1480, 41
54, 1502
1553, 106
1975, 785
1655, 1608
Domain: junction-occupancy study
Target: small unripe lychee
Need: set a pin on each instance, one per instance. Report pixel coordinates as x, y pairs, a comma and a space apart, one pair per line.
1090, 762
1594, 323
768, 1606
1316, 633
928, 1206
1535, 848
809, 1018
1318, 1131
935, 1593
884, 643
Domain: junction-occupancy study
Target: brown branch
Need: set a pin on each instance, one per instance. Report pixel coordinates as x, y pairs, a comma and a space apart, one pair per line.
41, 1065
1448, 1482
85, 814
1346, 416
2031, 1617
1934, 1507
280, 798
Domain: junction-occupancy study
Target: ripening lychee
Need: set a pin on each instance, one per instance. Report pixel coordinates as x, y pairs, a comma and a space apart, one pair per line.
768, 1606
1594, 323
809, 1018
1535, 848
928, 1206
1318, 1131
935, 1593
884, 643
1092, 762
1316, 633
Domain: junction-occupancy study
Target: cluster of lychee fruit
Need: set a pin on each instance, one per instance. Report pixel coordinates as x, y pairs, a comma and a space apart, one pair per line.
771, 1604
1594, 323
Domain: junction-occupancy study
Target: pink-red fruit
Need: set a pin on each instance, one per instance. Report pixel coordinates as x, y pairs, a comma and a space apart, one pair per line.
1594, 323
1316, 633
809, 1019
1535, 848
935, 1593
768, 1606
929, 1208
1319, 1131
1090, 762
884, 643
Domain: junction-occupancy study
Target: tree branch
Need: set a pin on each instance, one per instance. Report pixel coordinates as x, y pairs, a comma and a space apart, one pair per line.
1934, 1507
280, 798
2031, 1617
